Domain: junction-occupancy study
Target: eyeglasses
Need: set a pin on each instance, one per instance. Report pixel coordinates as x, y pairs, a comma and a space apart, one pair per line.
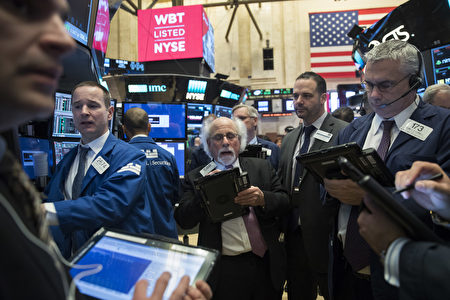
384, 86
229, 135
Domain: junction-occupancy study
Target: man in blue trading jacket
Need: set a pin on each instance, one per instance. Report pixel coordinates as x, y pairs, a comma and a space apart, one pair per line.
163, 183
249, 115
403, 129
100, 182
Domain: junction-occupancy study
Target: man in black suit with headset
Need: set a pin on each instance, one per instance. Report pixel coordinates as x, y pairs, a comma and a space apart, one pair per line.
403, 129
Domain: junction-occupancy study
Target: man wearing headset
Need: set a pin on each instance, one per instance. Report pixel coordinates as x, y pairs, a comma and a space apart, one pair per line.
403, 129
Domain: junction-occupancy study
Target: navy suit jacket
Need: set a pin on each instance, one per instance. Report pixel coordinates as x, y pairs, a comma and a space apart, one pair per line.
114, 198
163, 185
404, 151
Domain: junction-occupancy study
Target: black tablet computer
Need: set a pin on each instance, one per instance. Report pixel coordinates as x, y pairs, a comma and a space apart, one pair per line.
323, 163
415, 228
218, 192
111, 262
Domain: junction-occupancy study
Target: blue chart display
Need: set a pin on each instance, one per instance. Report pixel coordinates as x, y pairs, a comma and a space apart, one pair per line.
178, 150
197, 112
123, 263
168, 121
63, 124
223, 111
29, 146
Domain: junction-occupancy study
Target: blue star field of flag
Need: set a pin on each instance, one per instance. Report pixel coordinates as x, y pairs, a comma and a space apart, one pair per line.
330, 29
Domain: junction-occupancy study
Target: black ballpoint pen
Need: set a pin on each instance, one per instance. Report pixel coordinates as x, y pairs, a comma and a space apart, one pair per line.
411, 186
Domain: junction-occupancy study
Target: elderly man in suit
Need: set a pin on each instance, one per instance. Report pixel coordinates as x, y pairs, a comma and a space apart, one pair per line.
308, 223
249, 115
253, 258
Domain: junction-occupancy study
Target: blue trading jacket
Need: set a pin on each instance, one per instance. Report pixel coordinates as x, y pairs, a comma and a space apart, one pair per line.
113, 199
163, 185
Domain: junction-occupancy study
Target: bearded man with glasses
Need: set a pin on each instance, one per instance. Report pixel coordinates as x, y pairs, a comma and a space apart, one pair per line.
253, 259
403, 129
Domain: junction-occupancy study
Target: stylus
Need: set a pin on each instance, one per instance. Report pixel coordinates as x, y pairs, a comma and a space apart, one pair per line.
411, 186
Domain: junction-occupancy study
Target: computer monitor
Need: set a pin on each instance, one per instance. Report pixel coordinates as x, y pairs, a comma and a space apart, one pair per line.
178, 150
29, 146
61, 148
441, 64
77, 23
333, 101
168, 121
288, 105
63, 124
223, 111
263, 106
196, 113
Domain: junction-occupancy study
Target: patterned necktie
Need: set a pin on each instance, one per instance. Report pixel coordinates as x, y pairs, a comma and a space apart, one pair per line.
77, 182
305, 146
295, 214
257, 242
356, 249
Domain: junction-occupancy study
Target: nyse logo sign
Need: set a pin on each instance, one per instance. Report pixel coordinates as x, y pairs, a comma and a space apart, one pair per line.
396, 34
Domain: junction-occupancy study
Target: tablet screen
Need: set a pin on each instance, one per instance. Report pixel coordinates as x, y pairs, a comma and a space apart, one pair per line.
127, 259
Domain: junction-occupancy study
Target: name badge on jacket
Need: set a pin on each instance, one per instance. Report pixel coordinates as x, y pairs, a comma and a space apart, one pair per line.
416, 129
100, 165
323, 135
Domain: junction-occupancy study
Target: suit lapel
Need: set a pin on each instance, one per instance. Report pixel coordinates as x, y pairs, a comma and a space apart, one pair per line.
290, 150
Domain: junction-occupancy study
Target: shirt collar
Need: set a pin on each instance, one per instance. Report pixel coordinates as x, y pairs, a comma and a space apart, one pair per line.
221, 167
318, 123
139, 135
254, 141
97, 144
399, 118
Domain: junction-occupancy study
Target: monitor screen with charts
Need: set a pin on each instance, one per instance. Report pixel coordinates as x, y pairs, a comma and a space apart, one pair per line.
178, 150
119, 260
29, 146
62, 148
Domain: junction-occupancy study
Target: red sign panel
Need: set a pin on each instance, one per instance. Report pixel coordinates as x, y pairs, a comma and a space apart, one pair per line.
170, 33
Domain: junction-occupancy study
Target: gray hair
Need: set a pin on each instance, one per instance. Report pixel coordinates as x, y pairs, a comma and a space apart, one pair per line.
240, 128
432, 90
404, 53
252, 112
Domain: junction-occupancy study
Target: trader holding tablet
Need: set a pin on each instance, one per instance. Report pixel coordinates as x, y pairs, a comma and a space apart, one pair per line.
420, 269
403, 129
252, 265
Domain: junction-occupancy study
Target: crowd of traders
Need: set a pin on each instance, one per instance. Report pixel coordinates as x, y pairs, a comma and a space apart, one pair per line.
296, 229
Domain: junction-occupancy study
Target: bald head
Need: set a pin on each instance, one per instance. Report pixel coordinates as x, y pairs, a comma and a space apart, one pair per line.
135, 121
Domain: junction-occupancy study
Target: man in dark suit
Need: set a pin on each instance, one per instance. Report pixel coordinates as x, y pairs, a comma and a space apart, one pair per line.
249, 115
163, 182
101, 182
253, 257
310, 218
420, 269
403, 129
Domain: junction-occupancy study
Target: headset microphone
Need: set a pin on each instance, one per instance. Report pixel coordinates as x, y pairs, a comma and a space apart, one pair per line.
416, 84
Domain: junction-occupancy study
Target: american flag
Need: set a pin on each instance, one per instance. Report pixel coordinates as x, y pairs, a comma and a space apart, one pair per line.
331, 48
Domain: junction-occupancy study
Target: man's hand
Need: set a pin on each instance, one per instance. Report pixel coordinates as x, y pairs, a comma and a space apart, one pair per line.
182, 292
432, 195
252, 196
345, 190
377, 228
